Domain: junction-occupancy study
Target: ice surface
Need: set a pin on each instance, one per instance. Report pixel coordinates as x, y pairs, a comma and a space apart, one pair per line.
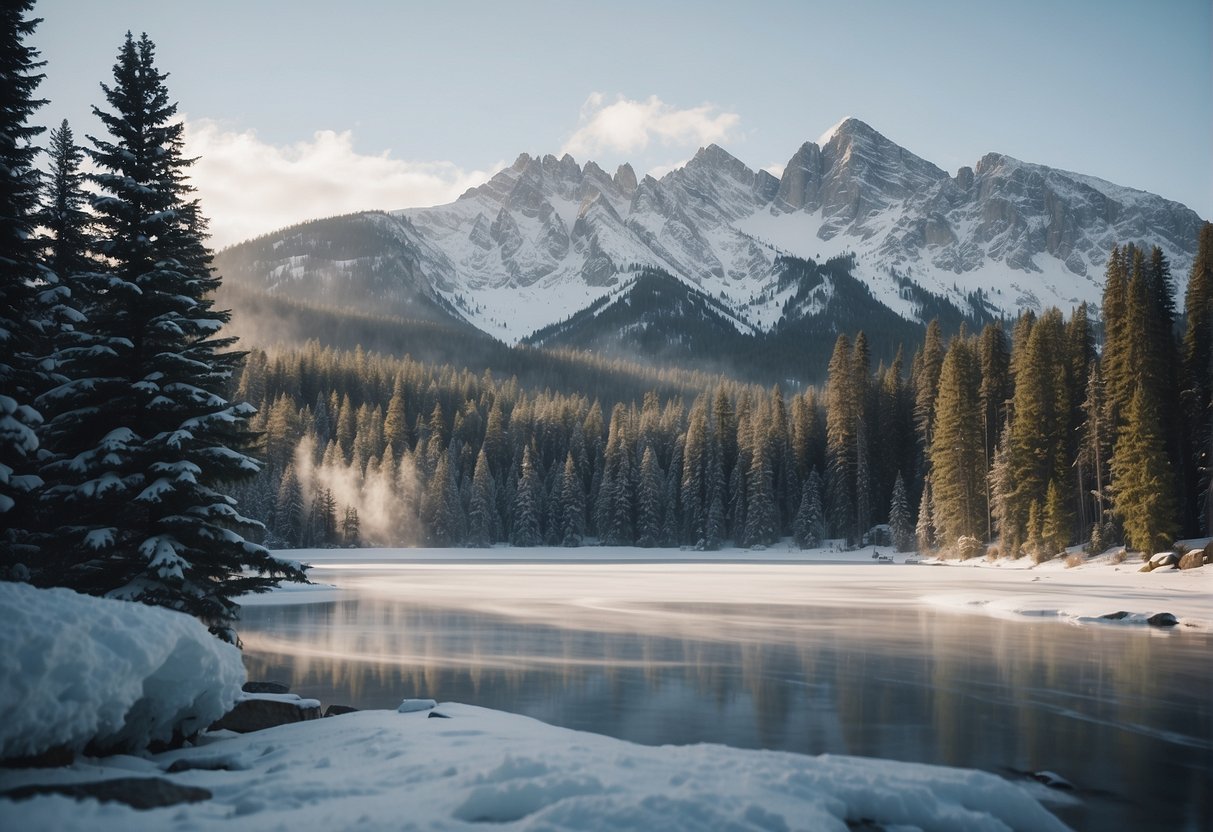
383, 770
546, 580
74, 668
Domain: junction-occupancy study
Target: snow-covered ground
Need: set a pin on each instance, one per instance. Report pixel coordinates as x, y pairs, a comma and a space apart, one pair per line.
384, 770
526, 581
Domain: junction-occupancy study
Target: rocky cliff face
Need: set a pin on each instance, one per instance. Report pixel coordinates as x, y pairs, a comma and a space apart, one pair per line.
546, 237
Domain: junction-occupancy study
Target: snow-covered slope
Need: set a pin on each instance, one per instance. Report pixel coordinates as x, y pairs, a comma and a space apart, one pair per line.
546, 237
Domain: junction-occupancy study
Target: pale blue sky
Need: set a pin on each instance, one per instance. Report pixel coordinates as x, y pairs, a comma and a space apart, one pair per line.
1119, 90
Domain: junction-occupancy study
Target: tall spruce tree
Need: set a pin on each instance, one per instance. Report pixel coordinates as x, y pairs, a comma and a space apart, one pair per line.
572, 499
483, 504
145, 437
900, 525
1198, 376
957, 450
1142, 487
809, 528
525, 528
20, 279
649, 501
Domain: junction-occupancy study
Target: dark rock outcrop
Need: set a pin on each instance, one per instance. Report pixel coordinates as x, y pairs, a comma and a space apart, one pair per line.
255, 714
136, 792
266, 687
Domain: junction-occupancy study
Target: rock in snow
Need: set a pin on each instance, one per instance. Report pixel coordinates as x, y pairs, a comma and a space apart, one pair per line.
76, 669
258, 711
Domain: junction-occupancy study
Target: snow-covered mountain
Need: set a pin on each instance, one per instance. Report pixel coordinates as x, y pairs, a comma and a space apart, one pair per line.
547, 238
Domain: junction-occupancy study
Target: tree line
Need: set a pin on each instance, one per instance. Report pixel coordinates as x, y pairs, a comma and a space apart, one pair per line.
1031, 438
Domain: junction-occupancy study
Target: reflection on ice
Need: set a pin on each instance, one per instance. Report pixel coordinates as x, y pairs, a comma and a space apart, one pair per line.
758, 658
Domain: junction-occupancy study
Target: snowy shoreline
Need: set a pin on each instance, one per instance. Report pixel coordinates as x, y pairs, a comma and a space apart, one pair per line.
1014, 589
376, 770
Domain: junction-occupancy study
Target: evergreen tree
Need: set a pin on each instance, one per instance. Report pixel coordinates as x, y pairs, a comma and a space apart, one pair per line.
842, 438
957, 450
617, 497
289, 509
441, 512
1055, 529
323, 521
899, 517
483, 505
20, 280
525, 528
64, 215
649, 508
762, 516
1142, 491
809, 528
144, 436
351, 528
1092, 462
1198, 375
572, 500
924, 529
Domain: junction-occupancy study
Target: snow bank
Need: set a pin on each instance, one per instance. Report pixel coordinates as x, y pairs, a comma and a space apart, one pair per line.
75, 668
382, 770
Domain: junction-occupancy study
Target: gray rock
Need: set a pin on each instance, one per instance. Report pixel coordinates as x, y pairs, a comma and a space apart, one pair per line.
266, 687
257, 714
1162, 619
437, 715
1115, 616
338, 710
136, 792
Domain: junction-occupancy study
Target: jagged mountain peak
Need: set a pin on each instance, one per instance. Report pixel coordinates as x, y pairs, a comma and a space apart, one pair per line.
546, 236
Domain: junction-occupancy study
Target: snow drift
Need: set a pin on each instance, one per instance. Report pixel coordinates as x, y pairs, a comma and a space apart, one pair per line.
74, 669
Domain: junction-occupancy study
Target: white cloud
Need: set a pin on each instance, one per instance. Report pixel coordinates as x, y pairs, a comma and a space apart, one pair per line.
627, 126
662, 170
249, 187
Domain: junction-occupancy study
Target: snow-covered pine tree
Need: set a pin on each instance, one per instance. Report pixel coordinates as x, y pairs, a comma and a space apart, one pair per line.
144, 436
900, 525
289, 509
483, 505
525, 528
19, 279
924, 529
809, 523
649, 502
572, 504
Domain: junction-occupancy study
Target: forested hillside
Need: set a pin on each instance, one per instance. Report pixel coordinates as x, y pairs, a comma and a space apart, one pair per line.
1029, 435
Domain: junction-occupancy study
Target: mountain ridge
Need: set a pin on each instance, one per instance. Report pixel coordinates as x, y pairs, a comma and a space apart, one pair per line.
546, 237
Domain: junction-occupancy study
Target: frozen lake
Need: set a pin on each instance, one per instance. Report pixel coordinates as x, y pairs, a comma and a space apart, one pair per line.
814, 659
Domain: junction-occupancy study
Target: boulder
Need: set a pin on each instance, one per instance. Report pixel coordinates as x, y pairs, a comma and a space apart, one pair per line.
266, 687
1164, 559
1162, 619
136, 792
338, 710
437, 715
258, 711
1115, 616
1192, 560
